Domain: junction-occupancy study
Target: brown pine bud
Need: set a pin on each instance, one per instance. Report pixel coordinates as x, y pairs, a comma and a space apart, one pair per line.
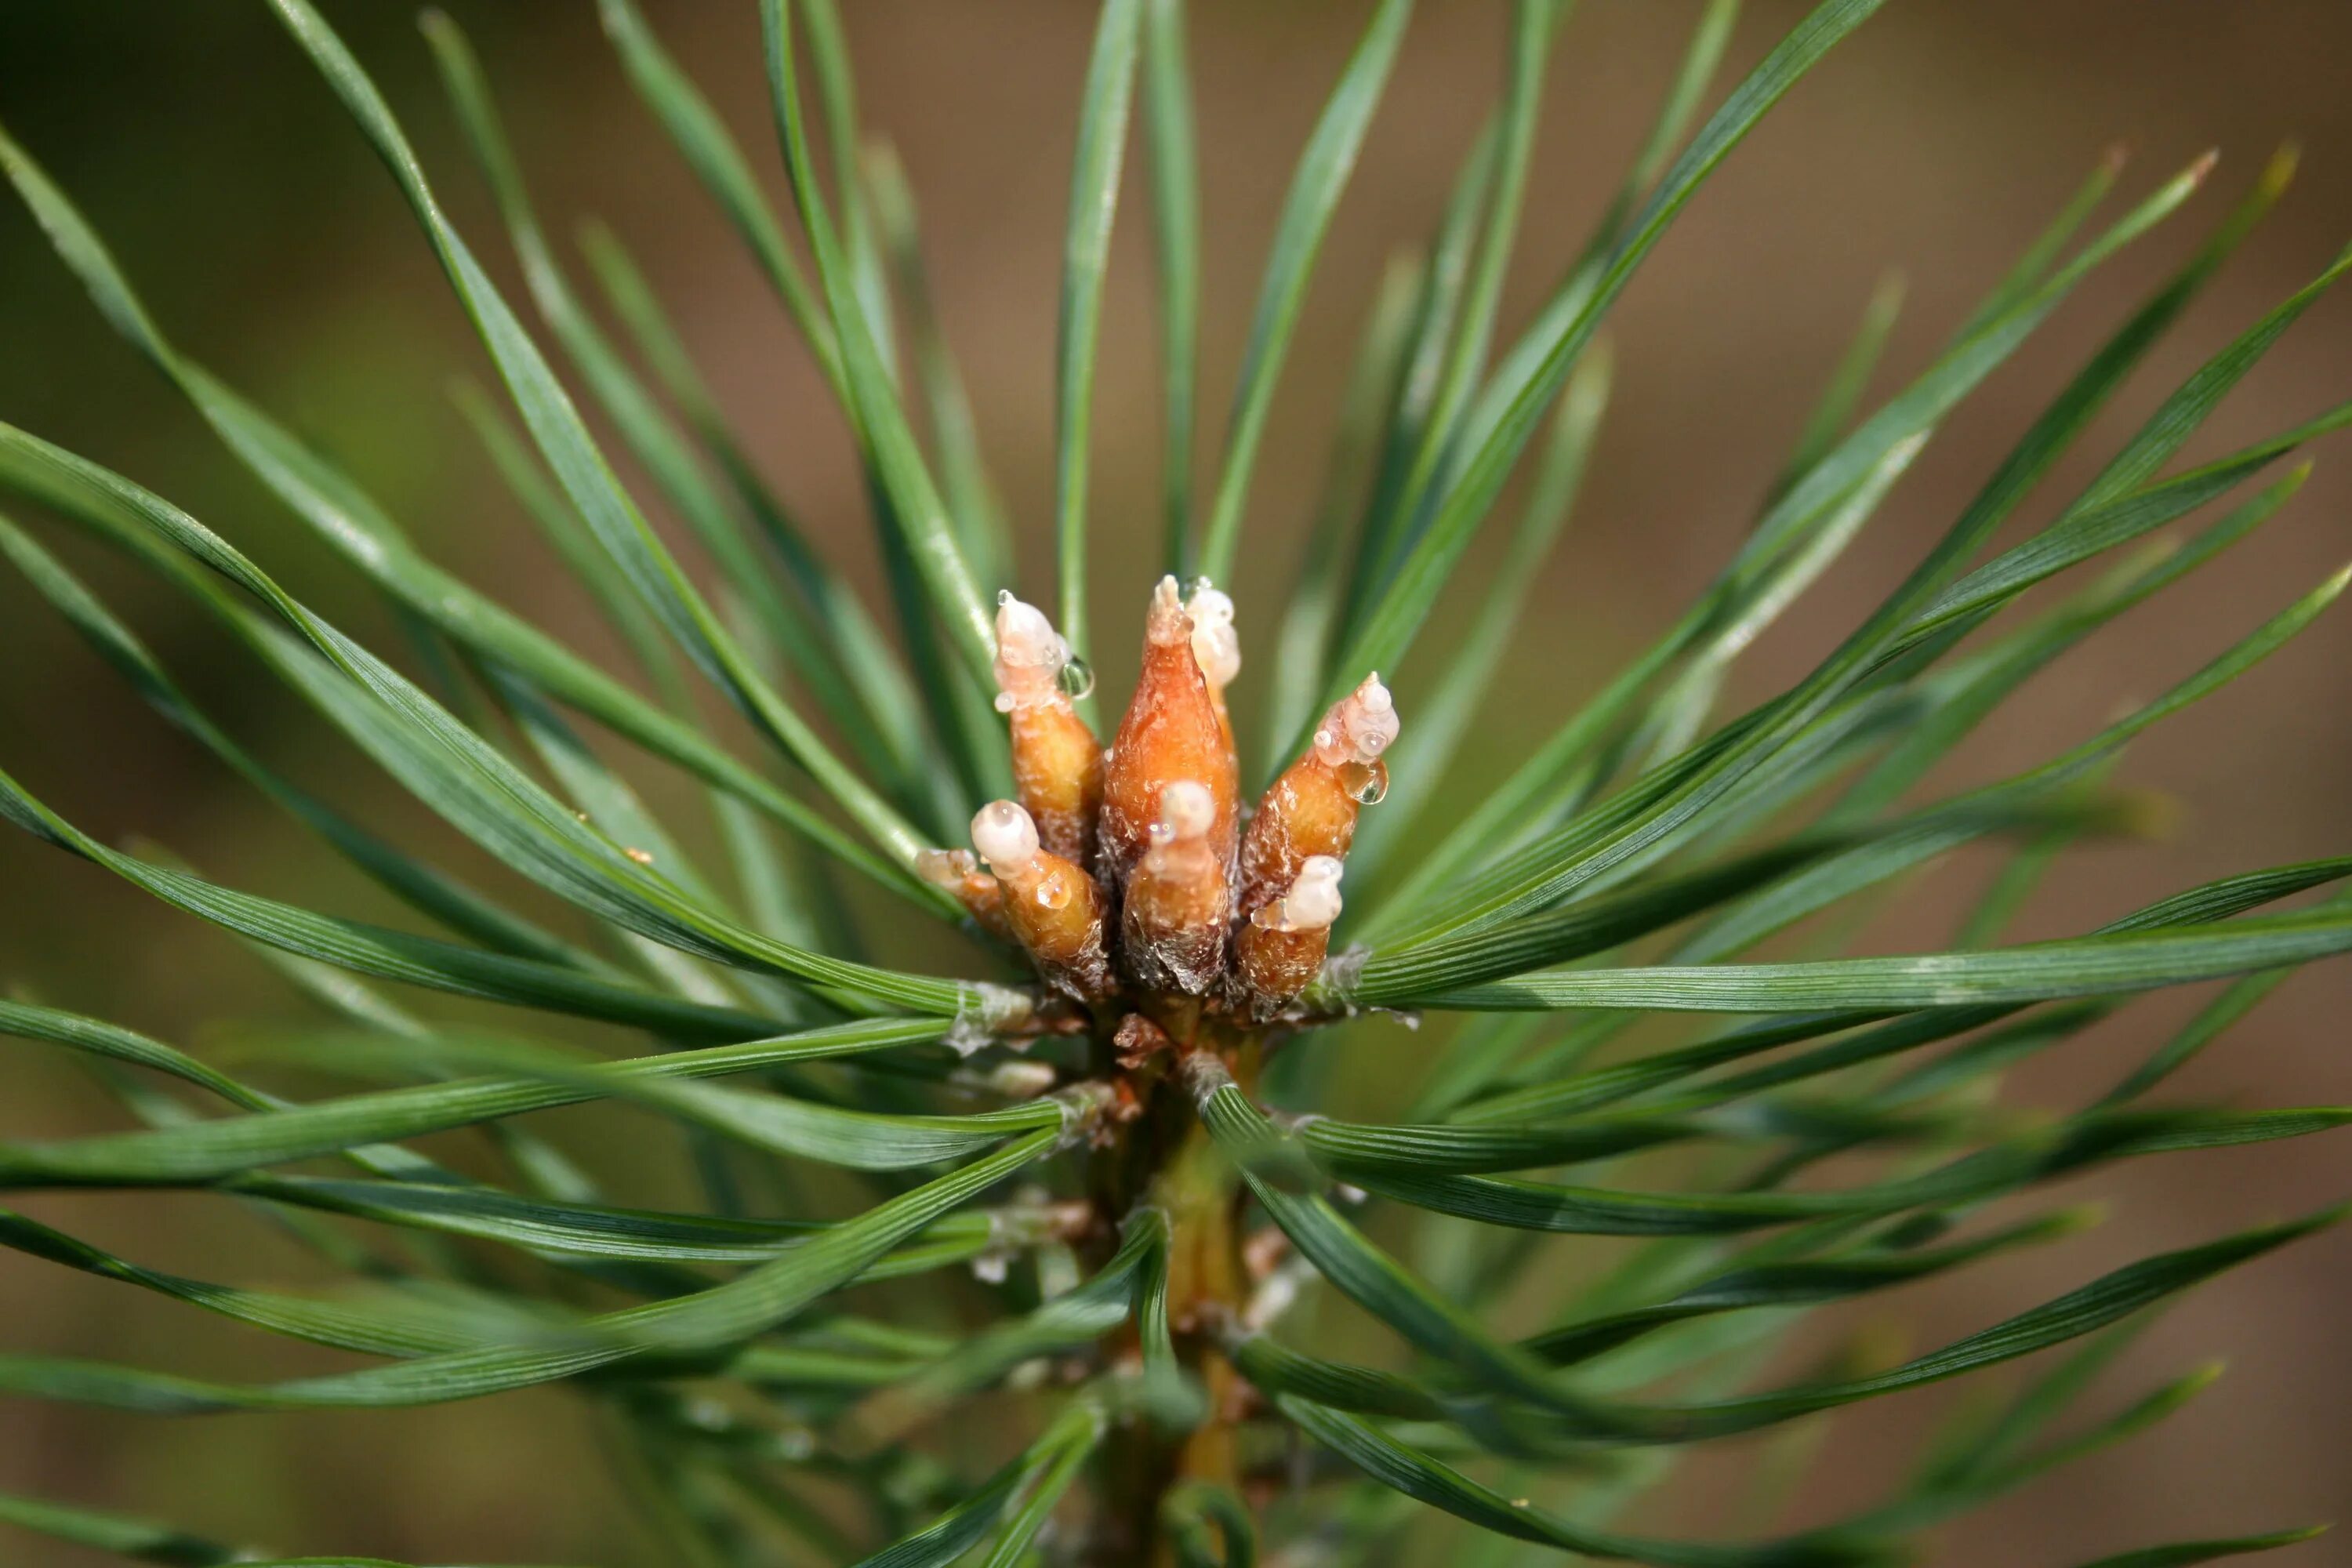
1311, 809
1138, 1041
1171, 733
1216, 648
1279, 949
1056, 762
958, 872
1053, 907
1172, 924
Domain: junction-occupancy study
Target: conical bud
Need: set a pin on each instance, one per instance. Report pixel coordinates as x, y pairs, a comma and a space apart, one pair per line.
1053, 907
1279, 950
1057, 760
958, 872
1311, 809
1170, 731
1172, 923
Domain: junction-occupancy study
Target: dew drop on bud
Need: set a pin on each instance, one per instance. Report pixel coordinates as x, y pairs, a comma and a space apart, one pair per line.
1076, 679
1370, 785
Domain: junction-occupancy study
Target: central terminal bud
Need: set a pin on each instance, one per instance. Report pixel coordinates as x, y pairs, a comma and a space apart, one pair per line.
1132, 875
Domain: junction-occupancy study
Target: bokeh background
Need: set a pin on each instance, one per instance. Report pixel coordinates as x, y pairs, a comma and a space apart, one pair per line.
1936, 141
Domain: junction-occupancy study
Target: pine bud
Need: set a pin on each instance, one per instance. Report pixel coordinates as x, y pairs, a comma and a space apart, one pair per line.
958, 872
1057, 760
1137, 1039
1053, 907
1279, 950
1311, 809
1172, 924
1171, 733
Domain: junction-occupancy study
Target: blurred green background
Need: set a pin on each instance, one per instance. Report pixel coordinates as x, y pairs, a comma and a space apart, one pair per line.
1937, 142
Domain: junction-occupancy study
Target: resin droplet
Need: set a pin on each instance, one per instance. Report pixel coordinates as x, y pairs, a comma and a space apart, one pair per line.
1360, 727
1216, 647
1057, 760
1311, 809
1311, 904
1006, 836
1172, 924
1077, 679
1279, 950
1053, 907
1171, 733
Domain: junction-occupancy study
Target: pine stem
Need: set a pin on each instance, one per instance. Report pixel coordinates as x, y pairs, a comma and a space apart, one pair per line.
1170, 1163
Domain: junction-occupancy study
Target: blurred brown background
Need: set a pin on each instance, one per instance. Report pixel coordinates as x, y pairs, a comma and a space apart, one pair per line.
1937, 141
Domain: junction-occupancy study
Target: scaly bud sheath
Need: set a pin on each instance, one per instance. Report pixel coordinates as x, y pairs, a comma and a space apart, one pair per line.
1280, 948
1169, 732
1172, 924
1216, 648
1053, 907
1311, 809
958, 872
1057, 764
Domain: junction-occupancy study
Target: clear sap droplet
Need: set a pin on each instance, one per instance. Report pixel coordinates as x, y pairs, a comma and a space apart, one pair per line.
1077, 678
1370, 785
